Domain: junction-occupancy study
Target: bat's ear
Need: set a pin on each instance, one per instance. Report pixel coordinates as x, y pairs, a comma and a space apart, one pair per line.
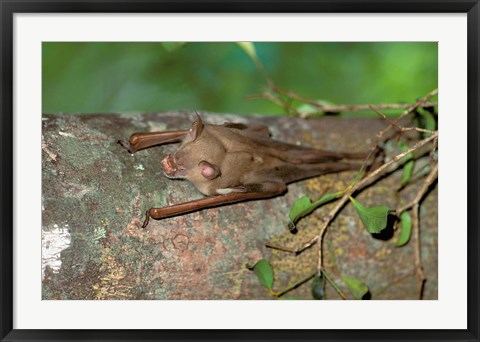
209, 171
196, 129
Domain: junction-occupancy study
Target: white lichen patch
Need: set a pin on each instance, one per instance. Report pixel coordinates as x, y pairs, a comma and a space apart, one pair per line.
155, 126
221, 119
53, 243
45, 148
139, 167
76, 190
99, 233
66, 134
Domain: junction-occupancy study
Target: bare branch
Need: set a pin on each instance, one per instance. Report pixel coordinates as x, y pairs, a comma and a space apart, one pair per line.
280, 102
294, 250
418, 255
409, 107
420, 103
294, 286
397, 126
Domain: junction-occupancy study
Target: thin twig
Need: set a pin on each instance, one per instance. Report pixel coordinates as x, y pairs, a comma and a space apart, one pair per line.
280, 102
295, 251
294, 286
353, 108
423, 102
426, 184
397, 126
374, 175
418, 254
335, 286
420, 103
415, 205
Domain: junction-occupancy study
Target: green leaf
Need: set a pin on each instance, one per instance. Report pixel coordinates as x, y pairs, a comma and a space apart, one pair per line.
300, 208
405, 229
304, 206
425, 170
172, 46
318, 287
374, 218
264, 272
249, 49
325, 102
407, 172
307, 108
356, 286
429, 122
408, 168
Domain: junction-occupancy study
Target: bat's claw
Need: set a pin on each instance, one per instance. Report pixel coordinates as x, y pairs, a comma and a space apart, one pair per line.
125, 144
147, 219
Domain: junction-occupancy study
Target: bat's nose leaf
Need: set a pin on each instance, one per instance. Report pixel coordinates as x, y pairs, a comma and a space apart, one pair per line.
169, 165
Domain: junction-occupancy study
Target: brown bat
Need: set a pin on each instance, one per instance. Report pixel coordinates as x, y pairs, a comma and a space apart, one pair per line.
235, 162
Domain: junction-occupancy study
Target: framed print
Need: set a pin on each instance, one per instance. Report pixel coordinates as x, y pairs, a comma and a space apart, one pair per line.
264, 171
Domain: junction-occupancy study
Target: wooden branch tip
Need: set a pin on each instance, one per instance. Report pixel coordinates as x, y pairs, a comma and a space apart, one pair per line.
295, 251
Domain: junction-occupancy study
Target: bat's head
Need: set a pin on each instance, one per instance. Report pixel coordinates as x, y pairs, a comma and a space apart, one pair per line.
197, 157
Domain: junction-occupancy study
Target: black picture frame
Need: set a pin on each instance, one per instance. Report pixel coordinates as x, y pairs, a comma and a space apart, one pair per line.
10, 7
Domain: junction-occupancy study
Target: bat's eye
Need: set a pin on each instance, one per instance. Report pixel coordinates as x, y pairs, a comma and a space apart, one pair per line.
209, 171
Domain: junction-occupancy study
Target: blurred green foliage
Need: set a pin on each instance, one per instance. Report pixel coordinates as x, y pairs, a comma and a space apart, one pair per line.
96, 77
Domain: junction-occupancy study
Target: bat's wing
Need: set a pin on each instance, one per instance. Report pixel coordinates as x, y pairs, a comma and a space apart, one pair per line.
297, 154
314, 156
250, 191
139, 141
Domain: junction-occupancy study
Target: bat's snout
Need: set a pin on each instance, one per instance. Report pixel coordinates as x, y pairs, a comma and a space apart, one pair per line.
171, 168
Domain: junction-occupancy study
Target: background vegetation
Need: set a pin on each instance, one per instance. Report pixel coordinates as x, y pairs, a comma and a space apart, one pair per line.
150, 77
